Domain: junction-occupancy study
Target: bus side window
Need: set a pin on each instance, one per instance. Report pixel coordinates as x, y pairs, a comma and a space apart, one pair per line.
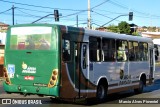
122, 50
131, 51
145, 51
141, 51
134, 54
95, 49
108, 49
66, 50
136, 50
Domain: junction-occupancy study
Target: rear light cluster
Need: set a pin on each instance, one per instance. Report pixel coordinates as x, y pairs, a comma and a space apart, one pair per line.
6, 76
53, 78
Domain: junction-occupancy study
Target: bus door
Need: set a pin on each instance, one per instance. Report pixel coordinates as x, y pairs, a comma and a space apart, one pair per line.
77, 70
81, 68
152, 68
84, 68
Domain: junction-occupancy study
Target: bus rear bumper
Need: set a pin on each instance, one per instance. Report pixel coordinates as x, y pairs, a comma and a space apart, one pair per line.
54, 91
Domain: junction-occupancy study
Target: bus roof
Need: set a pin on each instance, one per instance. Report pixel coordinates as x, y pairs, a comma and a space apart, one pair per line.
97, 33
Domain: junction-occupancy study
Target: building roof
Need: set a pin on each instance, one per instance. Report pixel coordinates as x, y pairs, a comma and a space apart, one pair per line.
1, 23
153, 35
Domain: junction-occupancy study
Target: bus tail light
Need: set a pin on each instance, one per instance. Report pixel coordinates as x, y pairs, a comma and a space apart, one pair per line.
53, 78
5, 73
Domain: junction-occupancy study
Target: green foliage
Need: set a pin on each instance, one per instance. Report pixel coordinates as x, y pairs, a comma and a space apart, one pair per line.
124, 27
113, 28
3, 31
135, 34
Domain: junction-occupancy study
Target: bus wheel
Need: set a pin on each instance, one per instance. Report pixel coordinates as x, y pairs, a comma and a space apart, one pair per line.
8, 92
101, 92
140, 88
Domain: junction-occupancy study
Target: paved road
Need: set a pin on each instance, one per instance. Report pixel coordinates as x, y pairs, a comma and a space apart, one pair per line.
152, 91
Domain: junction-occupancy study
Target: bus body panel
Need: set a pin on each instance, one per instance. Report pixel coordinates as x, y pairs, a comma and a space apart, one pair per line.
73, 77
32, 69
111, 71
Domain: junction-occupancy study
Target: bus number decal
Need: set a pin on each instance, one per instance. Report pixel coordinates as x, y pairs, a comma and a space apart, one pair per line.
126, 80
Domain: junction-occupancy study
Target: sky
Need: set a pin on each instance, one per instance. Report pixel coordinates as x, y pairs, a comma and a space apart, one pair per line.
145, 12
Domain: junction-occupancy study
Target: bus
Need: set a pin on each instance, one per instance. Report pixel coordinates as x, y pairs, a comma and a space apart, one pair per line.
69, 62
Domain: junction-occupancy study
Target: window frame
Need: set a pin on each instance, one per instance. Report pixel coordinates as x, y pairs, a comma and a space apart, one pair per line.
98, 47
110, 49
122, 50
66, 37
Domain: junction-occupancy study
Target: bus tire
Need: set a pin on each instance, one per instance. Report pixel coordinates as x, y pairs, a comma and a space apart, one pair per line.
101, 92
140, 88
8, 92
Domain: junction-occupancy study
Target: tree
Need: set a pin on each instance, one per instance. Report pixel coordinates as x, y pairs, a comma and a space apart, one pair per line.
124, 27
135, 34
113, 28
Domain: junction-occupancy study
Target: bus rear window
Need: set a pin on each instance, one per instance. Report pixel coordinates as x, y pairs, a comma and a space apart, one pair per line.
30, 38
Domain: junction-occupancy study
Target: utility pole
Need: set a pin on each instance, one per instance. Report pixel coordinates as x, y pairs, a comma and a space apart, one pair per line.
77, 20
13, 14
89, 15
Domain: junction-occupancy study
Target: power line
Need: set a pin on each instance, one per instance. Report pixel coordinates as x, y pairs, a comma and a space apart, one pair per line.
36, 5
74, 13
47, 12
102, 15
118, 4
28, 13
96, 24
5, 11
148, 17
100, 4
34, 16
109, 11
21, 15
34, 10
79, 11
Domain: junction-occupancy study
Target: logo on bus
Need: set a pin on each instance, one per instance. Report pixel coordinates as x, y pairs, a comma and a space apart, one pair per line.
121, 74
28, 69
